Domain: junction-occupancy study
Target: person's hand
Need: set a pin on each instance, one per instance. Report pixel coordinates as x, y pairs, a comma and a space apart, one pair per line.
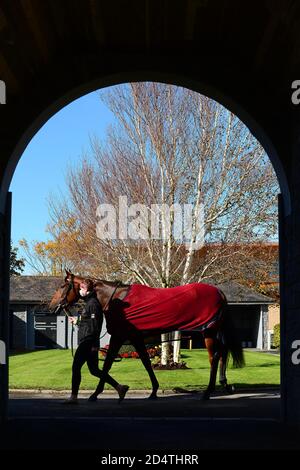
73, 320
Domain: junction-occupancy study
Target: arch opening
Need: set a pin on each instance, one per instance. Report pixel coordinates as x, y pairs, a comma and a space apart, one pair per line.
238, 111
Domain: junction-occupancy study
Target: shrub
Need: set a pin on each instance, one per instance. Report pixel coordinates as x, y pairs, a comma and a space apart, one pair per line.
128, 350
276, 336
154, 351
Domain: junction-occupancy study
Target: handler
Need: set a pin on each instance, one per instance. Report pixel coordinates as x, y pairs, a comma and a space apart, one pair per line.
90, 325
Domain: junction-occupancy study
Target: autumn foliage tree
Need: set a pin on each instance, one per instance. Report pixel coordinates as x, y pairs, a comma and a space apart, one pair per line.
52, 257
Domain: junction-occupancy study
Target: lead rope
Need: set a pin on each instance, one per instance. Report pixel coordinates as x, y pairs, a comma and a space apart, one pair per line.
105, 308
72, 331
70, 287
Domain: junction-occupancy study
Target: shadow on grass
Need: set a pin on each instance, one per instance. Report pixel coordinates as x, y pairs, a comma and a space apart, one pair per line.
20, 352
266, 364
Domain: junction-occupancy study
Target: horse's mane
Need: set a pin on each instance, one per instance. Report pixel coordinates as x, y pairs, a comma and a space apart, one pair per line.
104, 281
111, 283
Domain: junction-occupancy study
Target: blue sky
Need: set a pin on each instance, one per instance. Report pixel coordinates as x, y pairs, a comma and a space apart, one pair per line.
42, 167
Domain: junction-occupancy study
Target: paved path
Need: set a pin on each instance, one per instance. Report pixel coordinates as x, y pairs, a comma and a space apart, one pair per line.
248, 420
251, 405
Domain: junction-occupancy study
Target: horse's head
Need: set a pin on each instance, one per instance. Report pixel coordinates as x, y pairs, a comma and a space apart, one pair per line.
67, 294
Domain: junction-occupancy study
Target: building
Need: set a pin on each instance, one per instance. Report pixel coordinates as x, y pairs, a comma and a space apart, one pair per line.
32, 326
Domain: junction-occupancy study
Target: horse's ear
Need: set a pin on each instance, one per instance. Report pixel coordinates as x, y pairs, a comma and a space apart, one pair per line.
68, 275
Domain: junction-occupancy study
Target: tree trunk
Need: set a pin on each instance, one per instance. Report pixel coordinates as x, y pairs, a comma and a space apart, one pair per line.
176, 347
165, 349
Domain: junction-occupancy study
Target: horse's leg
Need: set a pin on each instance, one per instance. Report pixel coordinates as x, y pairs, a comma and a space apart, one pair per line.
214, 355
138, 343
223, 365
114, 346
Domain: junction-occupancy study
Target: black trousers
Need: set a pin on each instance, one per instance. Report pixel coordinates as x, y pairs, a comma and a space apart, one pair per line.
84, 354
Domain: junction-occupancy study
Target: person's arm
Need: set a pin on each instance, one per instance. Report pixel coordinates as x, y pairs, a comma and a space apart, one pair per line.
96, 319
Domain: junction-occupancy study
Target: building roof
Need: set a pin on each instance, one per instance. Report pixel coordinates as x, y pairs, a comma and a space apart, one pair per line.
236, 293
36, 289
33, 289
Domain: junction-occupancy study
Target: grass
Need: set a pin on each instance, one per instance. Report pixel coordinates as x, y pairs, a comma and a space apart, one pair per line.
51, 369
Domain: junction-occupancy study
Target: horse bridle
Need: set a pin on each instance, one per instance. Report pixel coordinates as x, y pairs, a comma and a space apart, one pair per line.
64, 303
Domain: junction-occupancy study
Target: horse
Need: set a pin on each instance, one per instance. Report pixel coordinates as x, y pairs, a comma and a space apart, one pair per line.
133, 310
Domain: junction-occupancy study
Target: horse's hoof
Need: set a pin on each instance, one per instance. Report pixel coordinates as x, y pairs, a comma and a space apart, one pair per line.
93, 398
229, 389
206, 396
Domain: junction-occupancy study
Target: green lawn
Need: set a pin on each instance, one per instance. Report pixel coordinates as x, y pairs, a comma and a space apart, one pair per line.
51, 369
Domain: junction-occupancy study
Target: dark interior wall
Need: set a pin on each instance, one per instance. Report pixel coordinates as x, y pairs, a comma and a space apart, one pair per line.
244, 54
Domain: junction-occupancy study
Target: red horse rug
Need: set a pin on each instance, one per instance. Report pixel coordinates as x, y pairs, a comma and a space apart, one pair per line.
194, 306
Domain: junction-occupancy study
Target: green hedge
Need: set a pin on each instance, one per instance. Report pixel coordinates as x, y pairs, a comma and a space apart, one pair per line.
276, 336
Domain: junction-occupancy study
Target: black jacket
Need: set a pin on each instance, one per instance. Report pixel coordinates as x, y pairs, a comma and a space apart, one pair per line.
91, 319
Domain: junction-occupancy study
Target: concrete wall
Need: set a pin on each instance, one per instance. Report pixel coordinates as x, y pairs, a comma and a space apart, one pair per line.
273, 316
19, 330
22, 327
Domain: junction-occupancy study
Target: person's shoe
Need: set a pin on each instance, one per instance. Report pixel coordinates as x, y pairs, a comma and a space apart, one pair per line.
92, 398
71, 401
122, 390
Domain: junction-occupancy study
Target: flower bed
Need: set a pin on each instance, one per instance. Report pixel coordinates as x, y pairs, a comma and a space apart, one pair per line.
128, 351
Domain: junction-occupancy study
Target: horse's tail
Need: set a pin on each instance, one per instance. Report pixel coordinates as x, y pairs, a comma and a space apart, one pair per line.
230, 338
